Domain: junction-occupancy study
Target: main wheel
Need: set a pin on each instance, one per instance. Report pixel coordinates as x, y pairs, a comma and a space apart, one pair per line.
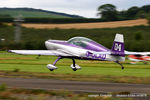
51, 69
74, 69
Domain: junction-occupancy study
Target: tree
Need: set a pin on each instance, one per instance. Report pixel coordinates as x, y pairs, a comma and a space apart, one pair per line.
138, 35
131, 12
122, 15
146, 8
141, 14
108, 12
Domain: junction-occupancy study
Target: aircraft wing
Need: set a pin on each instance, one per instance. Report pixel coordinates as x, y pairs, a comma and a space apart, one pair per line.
62, 53
40, 52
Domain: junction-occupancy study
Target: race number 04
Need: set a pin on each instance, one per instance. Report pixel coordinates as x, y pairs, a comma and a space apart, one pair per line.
117, 47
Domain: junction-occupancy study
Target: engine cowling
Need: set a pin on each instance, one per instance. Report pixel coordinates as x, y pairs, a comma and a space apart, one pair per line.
51, 67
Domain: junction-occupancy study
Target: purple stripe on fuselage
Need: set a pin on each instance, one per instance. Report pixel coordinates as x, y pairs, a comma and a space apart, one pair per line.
63, 43
91, 45
95, 56
96, 47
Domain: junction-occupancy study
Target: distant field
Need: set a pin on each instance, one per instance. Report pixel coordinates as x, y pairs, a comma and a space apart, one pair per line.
116, 24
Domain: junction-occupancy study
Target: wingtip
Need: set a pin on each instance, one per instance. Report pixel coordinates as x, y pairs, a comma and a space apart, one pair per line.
9, 51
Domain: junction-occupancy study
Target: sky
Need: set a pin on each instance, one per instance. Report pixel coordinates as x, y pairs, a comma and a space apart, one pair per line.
85, 8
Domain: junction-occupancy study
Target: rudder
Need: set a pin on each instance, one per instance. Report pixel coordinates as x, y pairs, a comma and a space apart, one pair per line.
118, 46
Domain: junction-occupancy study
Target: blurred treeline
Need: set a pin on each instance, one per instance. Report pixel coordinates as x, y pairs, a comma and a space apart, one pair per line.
53, 20
137, 38
107, 12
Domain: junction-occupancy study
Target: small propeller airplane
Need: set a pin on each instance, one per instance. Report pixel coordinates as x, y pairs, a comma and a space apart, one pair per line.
84, 49
139, 58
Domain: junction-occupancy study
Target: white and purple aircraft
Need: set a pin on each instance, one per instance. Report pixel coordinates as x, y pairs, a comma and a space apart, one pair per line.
84, 49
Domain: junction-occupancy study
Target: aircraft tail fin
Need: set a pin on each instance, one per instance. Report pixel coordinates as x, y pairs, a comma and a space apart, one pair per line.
118, 46
117, 51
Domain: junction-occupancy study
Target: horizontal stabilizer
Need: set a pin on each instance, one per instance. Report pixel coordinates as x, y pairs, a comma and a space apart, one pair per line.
126, 53
137, 53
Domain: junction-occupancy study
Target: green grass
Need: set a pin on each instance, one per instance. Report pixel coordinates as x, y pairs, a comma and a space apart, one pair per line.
12, 65
9, 62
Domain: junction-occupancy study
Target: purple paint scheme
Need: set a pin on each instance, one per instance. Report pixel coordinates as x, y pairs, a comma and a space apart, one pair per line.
96, 47
95, 56
63, 42
81, 48
90, 45
118, 49
56, 60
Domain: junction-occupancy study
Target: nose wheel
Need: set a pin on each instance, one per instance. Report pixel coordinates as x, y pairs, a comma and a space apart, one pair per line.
52, 67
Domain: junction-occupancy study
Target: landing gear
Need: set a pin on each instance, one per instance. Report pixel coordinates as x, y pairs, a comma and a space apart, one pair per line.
52, 67
122, 67
75, 66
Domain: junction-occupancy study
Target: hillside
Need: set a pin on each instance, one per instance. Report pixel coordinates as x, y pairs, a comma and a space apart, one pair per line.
115, 24
31, 12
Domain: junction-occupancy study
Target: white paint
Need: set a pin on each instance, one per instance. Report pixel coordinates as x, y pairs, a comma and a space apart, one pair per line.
119, 38
118, 47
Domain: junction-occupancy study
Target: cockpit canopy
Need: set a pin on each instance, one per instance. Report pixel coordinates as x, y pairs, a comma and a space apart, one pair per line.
87, 44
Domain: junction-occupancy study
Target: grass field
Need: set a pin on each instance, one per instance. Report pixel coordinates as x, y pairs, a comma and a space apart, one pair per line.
101, 70
116, 24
